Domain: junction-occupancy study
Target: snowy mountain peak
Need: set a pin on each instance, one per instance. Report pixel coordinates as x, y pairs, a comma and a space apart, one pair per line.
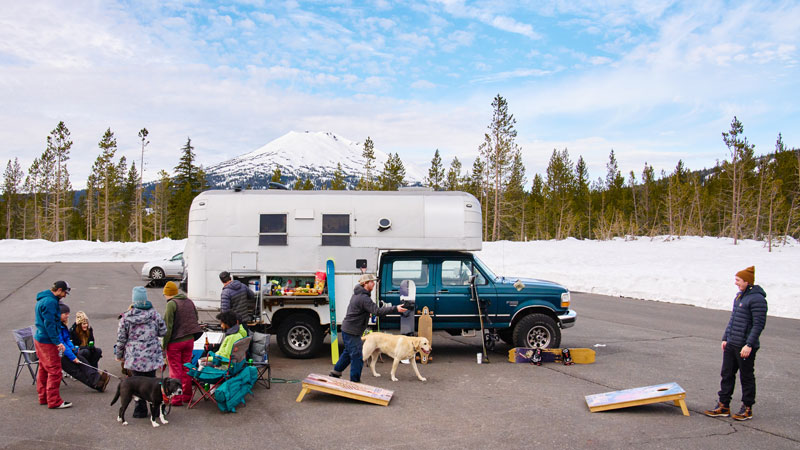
301, 155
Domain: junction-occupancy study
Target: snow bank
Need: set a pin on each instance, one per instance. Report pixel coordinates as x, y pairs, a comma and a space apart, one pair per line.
38, 250
689, 270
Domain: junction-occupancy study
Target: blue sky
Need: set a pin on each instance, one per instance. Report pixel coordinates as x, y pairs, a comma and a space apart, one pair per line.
657, 81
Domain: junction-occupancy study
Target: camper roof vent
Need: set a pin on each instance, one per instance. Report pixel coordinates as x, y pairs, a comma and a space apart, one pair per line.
384, 224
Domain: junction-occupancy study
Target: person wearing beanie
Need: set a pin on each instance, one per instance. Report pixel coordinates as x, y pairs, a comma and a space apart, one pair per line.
183, 328
76, 365
740, 344
47, 341
82, 336
137, 341
354, 324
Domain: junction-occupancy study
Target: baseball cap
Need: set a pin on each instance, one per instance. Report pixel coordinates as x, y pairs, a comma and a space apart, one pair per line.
61, 285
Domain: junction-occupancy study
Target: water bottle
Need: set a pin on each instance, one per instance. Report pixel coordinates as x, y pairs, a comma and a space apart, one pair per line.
258, 283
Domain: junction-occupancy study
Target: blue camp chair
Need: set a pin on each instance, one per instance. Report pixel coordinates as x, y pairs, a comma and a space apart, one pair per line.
207, 380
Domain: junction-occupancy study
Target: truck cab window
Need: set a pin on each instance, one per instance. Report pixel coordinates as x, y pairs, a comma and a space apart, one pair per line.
336, 229
272, 229
456, 272
411, 269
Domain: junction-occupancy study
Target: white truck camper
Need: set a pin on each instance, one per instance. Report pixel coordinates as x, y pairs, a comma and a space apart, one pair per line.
266, 238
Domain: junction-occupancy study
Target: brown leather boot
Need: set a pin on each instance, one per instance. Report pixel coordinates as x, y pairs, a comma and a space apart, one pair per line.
746, 413
720, 411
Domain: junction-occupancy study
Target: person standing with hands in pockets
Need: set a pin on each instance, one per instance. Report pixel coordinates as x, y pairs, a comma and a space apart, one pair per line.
740, 344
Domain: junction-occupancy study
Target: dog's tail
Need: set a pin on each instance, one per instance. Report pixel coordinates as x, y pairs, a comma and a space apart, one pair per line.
116, 396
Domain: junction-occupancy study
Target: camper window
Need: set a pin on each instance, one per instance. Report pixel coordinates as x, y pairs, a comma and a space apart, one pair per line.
272, 229
336, 229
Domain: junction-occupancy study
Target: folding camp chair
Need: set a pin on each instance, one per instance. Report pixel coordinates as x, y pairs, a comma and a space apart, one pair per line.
27, 355
259, 352
207, 380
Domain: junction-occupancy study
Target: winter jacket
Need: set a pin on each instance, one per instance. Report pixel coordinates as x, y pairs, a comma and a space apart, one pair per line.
181, 319
748, 318
232, 335
48, 318
69, 347
361, 306
73, 335
137, 339
237, 297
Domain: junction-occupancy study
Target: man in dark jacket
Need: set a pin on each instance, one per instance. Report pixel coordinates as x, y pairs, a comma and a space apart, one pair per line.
237, 297
740, 344
354, 324
48, 345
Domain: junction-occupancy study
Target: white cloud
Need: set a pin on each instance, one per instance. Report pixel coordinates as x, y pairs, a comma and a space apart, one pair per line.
422, 84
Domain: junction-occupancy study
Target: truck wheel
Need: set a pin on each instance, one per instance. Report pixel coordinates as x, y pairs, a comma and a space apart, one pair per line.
299, 336
537, 330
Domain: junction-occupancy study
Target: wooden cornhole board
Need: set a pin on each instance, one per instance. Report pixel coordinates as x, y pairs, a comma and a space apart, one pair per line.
345, 388
638, 396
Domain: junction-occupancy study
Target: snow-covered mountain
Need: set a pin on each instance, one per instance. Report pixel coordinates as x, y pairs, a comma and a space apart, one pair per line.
301, 155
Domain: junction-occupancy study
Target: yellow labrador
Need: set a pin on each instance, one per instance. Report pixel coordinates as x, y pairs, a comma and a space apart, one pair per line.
397, 346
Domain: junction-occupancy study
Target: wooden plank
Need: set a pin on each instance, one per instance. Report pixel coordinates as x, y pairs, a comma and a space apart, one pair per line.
344, 388
639, 396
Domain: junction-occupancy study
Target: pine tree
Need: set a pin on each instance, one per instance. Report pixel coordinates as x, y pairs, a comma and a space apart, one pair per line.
108, 179
393, 175
160, 205
498, 149
514, 199
435, 176
366, 182
12, 178
139, 207
454, 182
559, 183
189, 180
740, 165
583, 199
58, 145
338, 182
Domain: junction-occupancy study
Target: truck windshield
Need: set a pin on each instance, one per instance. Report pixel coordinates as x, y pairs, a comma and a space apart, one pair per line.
485, 268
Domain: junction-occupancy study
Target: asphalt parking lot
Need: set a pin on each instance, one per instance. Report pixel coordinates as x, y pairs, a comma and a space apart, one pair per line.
462, 405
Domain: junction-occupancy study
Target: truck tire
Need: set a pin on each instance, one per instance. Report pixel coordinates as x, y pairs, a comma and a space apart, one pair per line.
300, 336
537, 330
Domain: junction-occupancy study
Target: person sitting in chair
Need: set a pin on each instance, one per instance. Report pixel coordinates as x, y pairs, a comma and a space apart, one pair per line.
82, 336
233, 332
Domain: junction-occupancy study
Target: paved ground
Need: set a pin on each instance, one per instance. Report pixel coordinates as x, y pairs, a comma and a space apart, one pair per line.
462, 405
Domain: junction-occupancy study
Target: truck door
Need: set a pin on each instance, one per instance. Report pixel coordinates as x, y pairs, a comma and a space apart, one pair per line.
454, 305
417, 269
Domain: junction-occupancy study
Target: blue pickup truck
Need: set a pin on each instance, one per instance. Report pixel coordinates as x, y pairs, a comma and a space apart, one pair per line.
522, 312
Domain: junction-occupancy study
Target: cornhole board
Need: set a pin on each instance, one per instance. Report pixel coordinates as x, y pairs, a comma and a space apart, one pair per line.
639, 396
345, 388
524, 355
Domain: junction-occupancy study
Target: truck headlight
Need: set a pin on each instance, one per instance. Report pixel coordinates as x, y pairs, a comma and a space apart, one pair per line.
565, 300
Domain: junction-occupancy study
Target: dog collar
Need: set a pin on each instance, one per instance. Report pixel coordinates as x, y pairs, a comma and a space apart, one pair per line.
166, 398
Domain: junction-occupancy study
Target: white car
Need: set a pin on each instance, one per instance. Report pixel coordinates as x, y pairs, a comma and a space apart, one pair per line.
164, 269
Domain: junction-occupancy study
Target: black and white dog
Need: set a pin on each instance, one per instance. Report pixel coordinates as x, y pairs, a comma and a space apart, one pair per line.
156, 392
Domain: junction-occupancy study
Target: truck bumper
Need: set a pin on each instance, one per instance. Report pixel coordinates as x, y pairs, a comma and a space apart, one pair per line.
567, 320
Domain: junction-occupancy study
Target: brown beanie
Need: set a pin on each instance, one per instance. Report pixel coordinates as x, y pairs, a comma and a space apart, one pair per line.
748, 275
170, 289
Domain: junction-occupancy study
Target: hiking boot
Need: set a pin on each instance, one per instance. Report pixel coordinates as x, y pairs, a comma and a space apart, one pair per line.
720, 411
102, 382
335, 374
746, 413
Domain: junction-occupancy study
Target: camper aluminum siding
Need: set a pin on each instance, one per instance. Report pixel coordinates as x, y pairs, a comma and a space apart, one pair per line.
277, 232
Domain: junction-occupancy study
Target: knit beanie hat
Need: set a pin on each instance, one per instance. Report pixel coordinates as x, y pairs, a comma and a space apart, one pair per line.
170, 289
64, 308
140, 298
81, 317
748, 275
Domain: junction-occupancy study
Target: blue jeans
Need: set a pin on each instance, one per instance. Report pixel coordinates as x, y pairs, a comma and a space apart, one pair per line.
351, 354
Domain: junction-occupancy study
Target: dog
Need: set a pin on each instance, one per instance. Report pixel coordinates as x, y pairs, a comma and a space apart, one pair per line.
397, 346
154, 391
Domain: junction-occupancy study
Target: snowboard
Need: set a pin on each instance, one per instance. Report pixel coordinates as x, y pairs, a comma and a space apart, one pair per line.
330, 275
578, 355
